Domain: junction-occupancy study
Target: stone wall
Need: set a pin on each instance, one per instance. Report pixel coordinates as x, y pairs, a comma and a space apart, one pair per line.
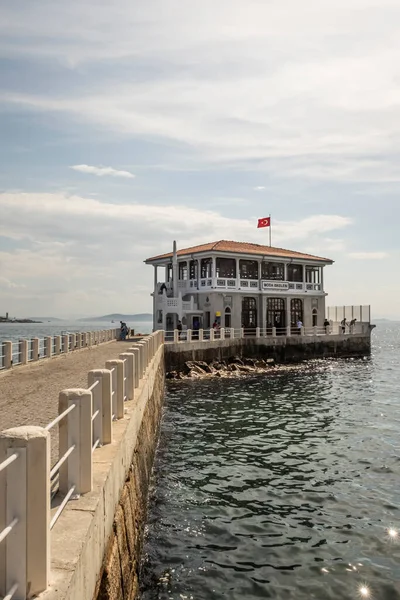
119, 577
281, 349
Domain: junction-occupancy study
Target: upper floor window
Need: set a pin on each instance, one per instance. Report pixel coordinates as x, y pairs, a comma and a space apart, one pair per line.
295, 272
313, 274
206, 268
272, 271
183, 271
226, 267
248, 269
193, 267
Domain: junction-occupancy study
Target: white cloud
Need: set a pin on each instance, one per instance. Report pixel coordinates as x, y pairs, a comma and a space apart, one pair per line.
258, 188
103, 171
368, 255
74, 252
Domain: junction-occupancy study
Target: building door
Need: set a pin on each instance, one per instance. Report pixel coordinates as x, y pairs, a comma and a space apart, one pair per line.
276, 315
296, 312
314, 317
227, 318
249, 315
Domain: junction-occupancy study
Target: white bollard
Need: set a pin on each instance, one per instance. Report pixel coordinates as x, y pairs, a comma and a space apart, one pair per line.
274, 332
75, 430
258, 332
118, 396
288, 330
222, 333
25, 502
129, 361
35, 348
176, 336
77, 342
102, 398
57, 344
23, 351
7, 355
188, 335
232, 332
242, 332
65, 343
201, 335
302, 332
315, 330
136, 354
212, 335
48, 346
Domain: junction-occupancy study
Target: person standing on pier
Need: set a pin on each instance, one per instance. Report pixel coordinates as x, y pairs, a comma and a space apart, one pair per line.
343, 324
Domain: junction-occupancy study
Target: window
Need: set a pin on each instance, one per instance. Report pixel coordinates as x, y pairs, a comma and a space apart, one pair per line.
193, 269
226, 267
249, 313
296, 311
313, 274
314, 317
295, 273
169, 272
183, 271
206, 268
272, 271
248, 269
276, 313
228, 321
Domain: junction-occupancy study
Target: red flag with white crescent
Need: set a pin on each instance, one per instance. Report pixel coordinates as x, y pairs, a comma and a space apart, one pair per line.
265, 222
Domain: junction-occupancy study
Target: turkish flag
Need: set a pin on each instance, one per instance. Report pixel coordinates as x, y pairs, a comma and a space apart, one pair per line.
265, 222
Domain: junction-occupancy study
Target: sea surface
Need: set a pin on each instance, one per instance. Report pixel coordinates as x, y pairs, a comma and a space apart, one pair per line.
16, 331
283, 486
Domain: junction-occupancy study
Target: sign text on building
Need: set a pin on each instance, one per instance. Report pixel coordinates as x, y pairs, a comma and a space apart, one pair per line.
275, 285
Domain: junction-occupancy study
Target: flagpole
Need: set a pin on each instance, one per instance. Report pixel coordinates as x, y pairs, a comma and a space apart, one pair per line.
270, 232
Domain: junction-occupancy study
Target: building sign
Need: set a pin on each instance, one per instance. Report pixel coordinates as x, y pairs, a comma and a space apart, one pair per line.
207, 302
275, 285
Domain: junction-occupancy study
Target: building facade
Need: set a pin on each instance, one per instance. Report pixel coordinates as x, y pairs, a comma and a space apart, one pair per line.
236, 284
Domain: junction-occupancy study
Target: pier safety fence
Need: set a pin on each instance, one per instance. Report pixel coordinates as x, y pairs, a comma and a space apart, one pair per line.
30, 350
33, 493
210, 335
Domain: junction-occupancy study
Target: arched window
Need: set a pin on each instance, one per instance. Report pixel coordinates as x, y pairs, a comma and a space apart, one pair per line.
249, 313
227, 318
296, 311
276, 313
314, 317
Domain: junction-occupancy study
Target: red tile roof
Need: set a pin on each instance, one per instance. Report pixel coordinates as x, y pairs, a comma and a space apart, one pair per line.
241, 248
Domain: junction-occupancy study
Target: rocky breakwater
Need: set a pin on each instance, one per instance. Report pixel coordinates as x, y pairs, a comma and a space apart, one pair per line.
234, 366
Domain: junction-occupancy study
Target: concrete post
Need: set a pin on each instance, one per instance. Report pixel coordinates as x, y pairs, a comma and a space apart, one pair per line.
222, 333
78, 341
102, 398
48, 349
201, 335
76, 430
274, 332
129, 360
7, 355
142, 358
302, 332
73, 341
57, 344
315, 331
189, 335
23, 352
35, 348
257, 332
65, 341
136, 354
176, 336
232, 332
118, 365
25, 496
212, 332
288, 330
242, 332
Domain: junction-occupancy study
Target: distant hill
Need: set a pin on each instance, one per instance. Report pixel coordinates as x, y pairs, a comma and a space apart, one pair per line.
119, 317
43, 319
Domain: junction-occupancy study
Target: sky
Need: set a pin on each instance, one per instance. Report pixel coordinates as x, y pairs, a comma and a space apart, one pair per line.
127, 125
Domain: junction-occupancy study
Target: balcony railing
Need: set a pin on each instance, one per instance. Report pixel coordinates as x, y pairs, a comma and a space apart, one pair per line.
245, 285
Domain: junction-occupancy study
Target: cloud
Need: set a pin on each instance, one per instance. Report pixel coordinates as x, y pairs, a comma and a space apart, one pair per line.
368, 255
73, 252
258, 188
103, 171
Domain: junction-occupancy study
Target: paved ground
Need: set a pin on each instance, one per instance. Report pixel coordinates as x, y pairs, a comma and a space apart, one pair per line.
29, 394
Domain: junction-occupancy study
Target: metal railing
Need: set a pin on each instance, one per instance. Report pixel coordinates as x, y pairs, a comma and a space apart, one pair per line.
26, 351
85, 424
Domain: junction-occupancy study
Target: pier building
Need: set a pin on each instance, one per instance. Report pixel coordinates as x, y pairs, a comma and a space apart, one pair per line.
238, 285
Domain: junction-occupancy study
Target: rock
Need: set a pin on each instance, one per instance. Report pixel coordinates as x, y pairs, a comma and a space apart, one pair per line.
244, 368
236, 360
171, 375
203, 365
250, 362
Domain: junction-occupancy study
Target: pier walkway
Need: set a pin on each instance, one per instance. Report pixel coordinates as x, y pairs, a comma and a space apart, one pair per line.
29, 394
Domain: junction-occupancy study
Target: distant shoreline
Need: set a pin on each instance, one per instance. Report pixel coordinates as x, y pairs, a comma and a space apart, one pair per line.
19, 321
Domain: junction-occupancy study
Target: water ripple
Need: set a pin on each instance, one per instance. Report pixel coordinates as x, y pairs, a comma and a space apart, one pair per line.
280, 487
